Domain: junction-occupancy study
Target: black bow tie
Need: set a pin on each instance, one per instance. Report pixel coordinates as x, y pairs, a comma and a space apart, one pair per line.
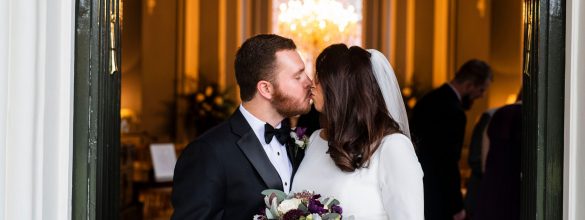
281, 133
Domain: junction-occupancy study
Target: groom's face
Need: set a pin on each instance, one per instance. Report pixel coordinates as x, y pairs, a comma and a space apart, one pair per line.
292, 94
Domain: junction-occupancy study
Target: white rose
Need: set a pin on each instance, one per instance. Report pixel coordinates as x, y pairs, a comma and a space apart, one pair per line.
288, 205
300, 143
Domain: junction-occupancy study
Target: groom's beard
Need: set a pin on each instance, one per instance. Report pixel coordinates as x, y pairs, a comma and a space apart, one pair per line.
466, 102
287, 106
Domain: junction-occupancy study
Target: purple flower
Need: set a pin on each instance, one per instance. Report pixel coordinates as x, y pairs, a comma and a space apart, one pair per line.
315, 206
293, 214
336, 209
260, 217
316, 196
300, 132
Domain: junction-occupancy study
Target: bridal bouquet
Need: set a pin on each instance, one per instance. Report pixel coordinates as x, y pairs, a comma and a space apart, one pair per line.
298, 206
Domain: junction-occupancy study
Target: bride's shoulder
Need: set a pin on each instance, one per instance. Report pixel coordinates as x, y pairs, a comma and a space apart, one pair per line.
397, 138
315, 135
396, 142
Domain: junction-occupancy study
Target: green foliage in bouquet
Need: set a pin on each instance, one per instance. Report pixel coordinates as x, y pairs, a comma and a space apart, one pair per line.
299, 206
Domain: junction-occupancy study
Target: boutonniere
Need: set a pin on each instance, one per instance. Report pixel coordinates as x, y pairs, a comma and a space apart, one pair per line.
300, 138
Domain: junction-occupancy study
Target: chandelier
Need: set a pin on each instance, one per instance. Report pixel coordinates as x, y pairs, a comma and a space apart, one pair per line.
316, 24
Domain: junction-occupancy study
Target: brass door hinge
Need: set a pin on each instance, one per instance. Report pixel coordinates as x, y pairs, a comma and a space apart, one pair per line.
113, 18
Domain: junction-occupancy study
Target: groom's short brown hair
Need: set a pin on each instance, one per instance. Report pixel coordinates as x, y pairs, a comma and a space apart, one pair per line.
255, 61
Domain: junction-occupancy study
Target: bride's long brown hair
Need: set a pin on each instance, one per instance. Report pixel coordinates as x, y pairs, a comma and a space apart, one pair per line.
356, 118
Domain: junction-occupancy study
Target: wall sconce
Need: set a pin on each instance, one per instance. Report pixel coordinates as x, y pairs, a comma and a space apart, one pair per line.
481, 7
150, 5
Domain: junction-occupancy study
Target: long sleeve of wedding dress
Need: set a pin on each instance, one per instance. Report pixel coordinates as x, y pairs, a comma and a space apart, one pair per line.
390, 187
401, 179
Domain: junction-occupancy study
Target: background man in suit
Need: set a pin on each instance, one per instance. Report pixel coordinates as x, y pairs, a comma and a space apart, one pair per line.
222, 173
438, 130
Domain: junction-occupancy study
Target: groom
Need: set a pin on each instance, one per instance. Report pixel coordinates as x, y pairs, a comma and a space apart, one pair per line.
222, 173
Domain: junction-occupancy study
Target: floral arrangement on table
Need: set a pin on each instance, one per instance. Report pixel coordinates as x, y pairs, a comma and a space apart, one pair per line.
411, 95
206, 107
299, 206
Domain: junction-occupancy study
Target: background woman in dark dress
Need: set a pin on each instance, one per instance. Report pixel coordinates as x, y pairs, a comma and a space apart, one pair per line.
499, 192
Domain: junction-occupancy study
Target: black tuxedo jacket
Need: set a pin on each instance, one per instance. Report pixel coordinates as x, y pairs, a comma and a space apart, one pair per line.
222, 173
438, 130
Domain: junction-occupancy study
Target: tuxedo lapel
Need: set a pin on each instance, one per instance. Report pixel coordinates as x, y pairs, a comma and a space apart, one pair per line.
290, 151
294, 157
252, 149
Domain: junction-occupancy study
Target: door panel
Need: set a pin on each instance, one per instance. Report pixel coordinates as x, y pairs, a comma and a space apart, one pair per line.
96, 111
543, 106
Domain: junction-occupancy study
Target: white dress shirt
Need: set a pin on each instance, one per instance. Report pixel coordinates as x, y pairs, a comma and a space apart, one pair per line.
455, 90
275, 151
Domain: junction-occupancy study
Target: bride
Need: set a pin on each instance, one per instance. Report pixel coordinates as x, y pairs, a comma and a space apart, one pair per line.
363, 156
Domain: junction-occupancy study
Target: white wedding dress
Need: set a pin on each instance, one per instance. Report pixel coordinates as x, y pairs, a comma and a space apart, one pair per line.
391, 187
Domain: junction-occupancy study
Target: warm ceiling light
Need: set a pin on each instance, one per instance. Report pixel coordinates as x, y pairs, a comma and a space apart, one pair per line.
316, 24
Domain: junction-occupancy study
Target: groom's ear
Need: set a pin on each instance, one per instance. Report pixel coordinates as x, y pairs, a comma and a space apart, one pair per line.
265, 89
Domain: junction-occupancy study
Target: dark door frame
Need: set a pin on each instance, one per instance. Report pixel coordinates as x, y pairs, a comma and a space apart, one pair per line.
543, 109
97, 103
96, 123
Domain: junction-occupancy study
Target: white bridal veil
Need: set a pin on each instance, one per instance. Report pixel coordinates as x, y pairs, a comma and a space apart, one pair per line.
390, 89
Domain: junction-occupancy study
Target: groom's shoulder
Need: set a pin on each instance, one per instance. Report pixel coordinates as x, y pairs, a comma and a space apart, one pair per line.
213, 142
222, 137
217, 135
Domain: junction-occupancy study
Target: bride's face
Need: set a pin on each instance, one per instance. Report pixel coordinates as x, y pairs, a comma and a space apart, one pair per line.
318, 95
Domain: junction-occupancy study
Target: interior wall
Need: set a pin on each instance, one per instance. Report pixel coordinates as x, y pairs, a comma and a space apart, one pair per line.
159, 52
209, 40
473, 31
489, 30
376, 26
131, 97
505, 51
232, 43
149, 58
398, 32
423, 44
256, 17
191, 42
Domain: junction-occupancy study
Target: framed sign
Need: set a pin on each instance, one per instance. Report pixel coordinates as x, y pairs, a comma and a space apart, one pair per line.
163, 159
